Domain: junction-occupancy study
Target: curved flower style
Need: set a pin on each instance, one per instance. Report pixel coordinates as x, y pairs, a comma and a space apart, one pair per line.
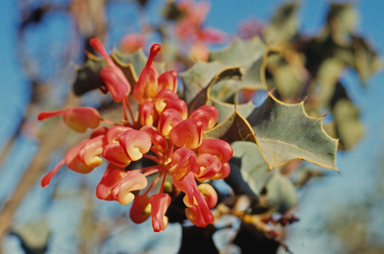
160, 131
111, 76
77, 118
82, 158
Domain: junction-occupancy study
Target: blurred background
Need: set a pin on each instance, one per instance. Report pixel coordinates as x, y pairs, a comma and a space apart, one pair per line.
42, 41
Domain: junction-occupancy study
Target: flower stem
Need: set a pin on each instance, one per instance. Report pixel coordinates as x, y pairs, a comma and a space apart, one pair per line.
162, 182
107, 121
153, 183
151, 157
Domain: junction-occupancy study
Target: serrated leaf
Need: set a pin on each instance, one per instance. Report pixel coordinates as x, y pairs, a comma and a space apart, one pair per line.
88, 75
285, 132
248, 55
198, 77
240, 52
226, 109
234, 128
281, 193
202, 97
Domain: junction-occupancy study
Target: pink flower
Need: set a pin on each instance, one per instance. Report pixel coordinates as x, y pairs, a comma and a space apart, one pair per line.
140, 210
188, 132
117, 184
207, 114
209, 167
82, 158
132, 42
168, 119
77, 118
111, 76
183, 162
135, 143
159, 205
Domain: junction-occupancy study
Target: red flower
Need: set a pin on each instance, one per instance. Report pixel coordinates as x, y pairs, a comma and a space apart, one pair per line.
159, 205
77, 118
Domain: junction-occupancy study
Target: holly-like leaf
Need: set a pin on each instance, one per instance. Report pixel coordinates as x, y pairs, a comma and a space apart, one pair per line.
249, 56
88, 75
240, 52
226, 109
198, 77
234, 128
284, 132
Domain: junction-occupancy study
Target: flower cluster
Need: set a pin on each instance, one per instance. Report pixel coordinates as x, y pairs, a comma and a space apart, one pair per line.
191, 29
161, 131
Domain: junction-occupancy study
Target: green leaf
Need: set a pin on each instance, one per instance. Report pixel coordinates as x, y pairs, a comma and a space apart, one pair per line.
341, 20
283, 26
226, 109
240, 52
198, 77
246, 54
254, 169
34, 236
327, 78
366, 60
88, 75
288, 78
284, 132
234, 128
348, 126
281, 193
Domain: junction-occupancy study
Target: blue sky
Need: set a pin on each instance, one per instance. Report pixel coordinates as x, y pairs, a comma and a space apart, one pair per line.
358, 166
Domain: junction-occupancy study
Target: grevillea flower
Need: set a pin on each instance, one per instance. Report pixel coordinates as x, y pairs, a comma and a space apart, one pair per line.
78, 118
183, 162
150, 83
159, 205
82, 158
141, 209
135, 143
160, 131
188, 132
132, 42
111, 76
198, 211
117, 184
